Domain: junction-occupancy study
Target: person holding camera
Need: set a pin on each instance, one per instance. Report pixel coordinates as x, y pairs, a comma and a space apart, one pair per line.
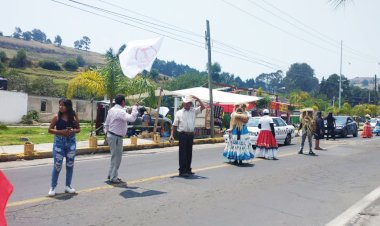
64, 126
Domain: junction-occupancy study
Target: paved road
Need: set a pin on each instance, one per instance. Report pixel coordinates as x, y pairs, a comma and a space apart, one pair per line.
295, 190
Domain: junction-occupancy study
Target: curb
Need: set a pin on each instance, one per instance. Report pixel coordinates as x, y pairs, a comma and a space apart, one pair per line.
102, 149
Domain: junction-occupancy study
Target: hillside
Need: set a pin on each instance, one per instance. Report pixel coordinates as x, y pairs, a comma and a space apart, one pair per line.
38, 51
364, 82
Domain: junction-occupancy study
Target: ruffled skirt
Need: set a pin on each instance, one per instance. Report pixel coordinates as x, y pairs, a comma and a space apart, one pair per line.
266, 145
238, 149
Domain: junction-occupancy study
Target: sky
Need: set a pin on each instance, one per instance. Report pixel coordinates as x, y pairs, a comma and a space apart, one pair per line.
249, 37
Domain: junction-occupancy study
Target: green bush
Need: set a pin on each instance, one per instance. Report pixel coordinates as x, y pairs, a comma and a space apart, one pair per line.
3, 127
81, 62
20, 60
3, 57
30, 117
50, 65
71, 65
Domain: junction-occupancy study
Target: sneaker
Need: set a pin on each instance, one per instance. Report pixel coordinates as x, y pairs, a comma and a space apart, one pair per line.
300, 152
69, 190
51, 192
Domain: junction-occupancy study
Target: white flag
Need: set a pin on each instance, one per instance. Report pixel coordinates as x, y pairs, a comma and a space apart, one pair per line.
139, 55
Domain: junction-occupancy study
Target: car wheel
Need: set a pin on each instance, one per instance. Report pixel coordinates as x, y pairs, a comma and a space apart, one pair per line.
288, 139
344, 133
355, 133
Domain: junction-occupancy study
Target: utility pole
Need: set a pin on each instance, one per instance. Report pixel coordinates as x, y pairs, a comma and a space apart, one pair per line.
208, 41
340, 77
375, 96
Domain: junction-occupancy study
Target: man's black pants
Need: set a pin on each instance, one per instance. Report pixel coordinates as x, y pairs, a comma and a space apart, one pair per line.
185, 151
331, 132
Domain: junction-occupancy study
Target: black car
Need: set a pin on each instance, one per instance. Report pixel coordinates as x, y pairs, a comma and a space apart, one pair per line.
345, 125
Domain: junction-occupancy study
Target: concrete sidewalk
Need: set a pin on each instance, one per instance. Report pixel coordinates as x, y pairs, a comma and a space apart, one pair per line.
19, 149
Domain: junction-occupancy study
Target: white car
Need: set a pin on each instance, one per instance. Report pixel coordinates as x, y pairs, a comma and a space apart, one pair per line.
284, 132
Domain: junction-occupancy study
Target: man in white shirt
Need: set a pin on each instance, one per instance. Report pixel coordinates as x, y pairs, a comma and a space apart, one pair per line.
115, 127
184, 123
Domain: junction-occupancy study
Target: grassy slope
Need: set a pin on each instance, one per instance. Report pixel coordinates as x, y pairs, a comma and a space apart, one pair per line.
36, 52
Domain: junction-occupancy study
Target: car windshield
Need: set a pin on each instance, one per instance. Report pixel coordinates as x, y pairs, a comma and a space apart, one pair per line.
253, 122
340, 120
373, 120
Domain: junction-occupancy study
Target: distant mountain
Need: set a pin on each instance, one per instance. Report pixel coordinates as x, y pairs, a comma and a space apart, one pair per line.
364, 82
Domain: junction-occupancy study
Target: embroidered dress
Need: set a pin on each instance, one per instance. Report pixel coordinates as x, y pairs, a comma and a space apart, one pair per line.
266, 144
238, 146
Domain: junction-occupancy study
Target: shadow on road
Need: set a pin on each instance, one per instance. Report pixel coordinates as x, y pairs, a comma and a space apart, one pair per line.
64, 196
129, 193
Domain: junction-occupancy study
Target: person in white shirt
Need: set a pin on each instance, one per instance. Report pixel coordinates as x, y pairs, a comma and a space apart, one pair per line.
184, 123
115, 127
266, 144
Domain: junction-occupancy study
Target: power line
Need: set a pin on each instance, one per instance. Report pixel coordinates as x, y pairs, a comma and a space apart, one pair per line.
320, 34
221, 51
190, 33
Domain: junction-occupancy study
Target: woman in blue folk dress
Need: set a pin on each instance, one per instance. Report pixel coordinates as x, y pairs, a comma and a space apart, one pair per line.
238, 146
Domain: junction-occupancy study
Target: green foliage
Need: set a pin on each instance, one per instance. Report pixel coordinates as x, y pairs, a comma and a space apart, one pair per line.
50, 65
17, 33
38, 35
330, 87
3, 126
44, 86
270, 81
186, 81
27, 35
20, 60
264, 102
86, 42
16, 81
112, 74
80, 61
58, 41
2, 68
171, 68
301, 77
71, 65
1, 34
30, 117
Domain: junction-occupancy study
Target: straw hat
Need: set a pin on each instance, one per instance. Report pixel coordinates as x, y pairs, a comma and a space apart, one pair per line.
187, 99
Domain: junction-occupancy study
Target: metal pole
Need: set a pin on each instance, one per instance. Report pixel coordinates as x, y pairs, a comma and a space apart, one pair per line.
340, 77
375, 96
208, 40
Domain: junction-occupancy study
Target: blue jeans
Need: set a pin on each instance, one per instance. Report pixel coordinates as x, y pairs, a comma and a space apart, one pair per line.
63, 147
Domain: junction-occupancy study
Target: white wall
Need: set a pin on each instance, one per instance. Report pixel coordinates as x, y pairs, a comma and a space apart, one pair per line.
13, 105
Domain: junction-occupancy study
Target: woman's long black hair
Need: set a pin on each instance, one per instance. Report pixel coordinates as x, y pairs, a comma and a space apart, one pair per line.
70, 112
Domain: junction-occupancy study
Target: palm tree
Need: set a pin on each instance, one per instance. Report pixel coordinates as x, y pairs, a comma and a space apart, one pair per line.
91, 81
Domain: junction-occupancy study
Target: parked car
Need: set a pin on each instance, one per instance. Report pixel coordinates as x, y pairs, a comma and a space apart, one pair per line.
284, 132
345, 125
373, 122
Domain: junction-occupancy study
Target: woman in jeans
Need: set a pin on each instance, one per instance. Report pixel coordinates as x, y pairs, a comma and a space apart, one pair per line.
64, 126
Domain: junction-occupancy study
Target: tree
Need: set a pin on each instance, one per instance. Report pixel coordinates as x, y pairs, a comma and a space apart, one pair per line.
50, 65
78, 44
300, 76
71, 65
17, 33
1, 33
330, 87
81, 62
58, 41
27, 35
16, 81
271, 81
86, 42
215, 70
48, 41
43, 86
38, 35
187, 80
20, 60
3, 56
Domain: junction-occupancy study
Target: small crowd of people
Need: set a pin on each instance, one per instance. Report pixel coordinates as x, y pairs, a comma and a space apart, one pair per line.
238, 146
